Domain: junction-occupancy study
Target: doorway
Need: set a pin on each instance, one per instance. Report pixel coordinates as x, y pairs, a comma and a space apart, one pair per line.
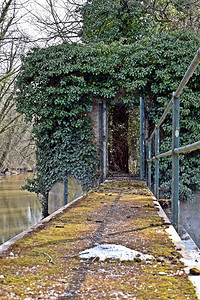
118, 139
123, 140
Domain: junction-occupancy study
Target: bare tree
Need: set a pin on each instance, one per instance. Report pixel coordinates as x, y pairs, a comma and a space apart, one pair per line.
174, 14
10, 50
54, 21
12, 45
24, 24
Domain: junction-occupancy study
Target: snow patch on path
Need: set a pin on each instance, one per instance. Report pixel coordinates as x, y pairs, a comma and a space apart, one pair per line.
112, 251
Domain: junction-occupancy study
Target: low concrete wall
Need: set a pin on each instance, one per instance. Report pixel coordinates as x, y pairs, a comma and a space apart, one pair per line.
5, 246
190, 217
56, 194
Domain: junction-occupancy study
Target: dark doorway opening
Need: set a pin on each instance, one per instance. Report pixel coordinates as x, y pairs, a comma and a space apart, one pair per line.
118, 150
123, 140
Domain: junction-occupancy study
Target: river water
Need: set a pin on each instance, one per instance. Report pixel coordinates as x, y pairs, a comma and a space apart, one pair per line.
19, 209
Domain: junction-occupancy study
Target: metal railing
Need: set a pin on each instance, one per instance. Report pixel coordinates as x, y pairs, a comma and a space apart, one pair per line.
176, 150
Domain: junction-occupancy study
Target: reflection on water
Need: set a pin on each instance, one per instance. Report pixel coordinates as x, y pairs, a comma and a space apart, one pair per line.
18, 209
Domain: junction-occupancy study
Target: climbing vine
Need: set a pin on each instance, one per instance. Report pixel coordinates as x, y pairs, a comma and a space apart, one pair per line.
58, 85
163, 61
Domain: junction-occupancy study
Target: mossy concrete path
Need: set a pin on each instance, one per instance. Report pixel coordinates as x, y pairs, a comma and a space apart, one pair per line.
45, 263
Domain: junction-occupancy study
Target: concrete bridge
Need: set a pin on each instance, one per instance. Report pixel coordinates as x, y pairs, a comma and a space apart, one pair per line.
45, 262
52, 260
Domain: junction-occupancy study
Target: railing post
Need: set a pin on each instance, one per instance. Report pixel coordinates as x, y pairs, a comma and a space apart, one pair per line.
157, 163
106, 133
101, 141
66, 191
149, 164
141, 139
175, 163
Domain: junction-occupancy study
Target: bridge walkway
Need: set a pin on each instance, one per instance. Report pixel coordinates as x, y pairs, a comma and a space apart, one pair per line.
45, 263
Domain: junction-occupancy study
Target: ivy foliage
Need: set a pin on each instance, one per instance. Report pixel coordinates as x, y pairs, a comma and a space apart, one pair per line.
112, 20
58, 85
128, 20
162, 62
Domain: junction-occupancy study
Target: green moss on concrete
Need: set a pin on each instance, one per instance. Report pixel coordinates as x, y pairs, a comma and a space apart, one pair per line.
105, 217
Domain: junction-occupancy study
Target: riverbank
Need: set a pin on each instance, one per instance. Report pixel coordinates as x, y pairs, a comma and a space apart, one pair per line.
45, 264
15, 172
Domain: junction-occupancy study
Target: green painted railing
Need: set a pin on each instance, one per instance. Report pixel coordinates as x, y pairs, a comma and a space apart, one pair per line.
175, 150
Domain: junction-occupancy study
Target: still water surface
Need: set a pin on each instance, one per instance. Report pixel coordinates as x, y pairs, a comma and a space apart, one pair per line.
18, 209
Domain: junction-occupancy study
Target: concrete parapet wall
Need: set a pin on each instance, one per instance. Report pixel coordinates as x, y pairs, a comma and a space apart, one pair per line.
56, 198
190, 217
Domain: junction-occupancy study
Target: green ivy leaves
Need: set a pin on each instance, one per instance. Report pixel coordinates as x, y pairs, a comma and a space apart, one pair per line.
58, 85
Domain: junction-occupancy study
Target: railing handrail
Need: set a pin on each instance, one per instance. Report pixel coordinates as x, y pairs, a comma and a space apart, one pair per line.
188, 148
175, 150
192, 67
185, 149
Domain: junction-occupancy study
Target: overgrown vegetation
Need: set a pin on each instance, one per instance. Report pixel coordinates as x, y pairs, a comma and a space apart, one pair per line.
164, 61
114, 20
58, 85
26, 24
158, 63
130, 20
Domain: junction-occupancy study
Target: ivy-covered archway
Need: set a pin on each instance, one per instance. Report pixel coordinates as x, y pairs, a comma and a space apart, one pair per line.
58, 87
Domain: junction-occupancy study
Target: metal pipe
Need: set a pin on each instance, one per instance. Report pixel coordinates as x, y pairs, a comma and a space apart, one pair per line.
154, 131
175, 164
149, 164
141, 139
184, 149
188, 148
151, 160
157, 141
161, 155
66, 191
169, 106
192, 67
168, 153
101, 140
194, 64
107, 137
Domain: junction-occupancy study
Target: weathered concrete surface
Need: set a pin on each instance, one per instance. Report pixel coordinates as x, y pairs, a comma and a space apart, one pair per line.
45, 263
190, 217
99, 123
95, 121
56, 194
